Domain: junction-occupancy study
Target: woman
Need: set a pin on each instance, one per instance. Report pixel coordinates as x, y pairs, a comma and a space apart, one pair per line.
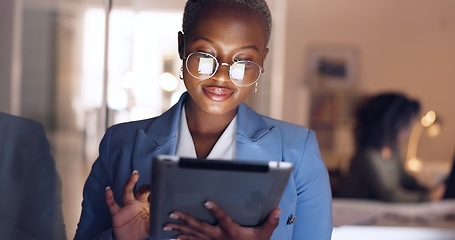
376, 171
223, 47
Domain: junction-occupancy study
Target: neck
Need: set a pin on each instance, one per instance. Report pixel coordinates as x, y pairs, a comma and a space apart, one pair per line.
206, 128
386, 153
200, 122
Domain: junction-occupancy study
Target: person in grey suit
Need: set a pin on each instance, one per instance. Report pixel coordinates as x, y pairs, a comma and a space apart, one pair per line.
30, 187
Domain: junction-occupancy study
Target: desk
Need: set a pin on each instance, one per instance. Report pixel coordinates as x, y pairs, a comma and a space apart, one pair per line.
362, 219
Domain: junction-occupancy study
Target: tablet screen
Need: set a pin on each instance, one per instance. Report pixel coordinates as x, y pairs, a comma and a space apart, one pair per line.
247, 191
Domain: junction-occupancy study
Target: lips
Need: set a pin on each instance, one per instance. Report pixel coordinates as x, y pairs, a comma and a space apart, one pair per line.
218, 94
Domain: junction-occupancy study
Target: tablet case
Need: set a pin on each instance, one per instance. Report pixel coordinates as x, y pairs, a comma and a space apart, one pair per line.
246, 190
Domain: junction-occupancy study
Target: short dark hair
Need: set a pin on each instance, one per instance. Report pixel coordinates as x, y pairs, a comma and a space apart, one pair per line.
194, 7
380, 119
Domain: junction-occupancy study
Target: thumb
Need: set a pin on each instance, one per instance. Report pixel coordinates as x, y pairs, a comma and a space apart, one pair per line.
272, 220
112, 205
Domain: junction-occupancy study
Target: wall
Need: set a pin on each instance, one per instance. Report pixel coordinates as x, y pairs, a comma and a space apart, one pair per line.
405, 45
38, 66
10, 55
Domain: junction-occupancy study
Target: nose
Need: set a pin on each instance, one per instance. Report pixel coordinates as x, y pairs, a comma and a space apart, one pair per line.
222, 73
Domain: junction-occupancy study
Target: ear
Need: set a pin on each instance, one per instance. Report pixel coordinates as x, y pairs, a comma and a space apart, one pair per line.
264, 56
181, 40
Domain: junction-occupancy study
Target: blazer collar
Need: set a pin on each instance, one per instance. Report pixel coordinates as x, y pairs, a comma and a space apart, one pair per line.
250, 124
256, 140
159, 138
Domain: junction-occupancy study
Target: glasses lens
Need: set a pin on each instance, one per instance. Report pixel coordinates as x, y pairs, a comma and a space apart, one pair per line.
200, 65
245, 73
203, 66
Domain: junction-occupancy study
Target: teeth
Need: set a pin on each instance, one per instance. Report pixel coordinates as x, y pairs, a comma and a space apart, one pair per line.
218, 91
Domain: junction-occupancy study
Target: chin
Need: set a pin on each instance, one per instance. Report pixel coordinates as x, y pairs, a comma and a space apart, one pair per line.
219, 108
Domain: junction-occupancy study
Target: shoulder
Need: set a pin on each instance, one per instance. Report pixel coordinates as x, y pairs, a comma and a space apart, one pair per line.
18, 123
21, 129
292, 135
299, 146
24, 142
160, 124
252, 123
127, 131
287, 127
129, 126
367, 156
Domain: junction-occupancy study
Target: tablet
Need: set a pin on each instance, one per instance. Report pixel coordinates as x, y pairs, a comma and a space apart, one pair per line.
246, 190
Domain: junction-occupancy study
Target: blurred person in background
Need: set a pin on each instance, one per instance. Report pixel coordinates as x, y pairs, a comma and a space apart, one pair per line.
31, 199
450, 182
376, 170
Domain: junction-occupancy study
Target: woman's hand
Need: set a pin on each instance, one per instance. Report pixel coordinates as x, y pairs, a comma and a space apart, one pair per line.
437, 193
191, 228
132, 220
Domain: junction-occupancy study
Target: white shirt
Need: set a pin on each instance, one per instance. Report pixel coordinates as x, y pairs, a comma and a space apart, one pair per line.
224, 148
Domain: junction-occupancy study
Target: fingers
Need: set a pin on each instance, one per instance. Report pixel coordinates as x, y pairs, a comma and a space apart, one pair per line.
128, 195
143, 193
226, 227
272, 220
111, 204
225, 223
127, 191
437, 193
235, 231
191, 227
223, 218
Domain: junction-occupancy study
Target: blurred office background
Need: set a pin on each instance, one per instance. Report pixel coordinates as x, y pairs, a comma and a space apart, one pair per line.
325, 57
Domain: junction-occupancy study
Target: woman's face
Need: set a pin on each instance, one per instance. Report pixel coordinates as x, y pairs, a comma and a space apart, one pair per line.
230, 35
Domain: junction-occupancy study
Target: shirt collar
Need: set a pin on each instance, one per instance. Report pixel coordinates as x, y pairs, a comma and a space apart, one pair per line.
225, 147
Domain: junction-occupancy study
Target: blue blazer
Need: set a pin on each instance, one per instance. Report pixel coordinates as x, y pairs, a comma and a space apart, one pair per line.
131, 146
30, 186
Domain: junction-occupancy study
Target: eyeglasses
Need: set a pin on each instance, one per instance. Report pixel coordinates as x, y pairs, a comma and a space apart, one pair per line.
203, 66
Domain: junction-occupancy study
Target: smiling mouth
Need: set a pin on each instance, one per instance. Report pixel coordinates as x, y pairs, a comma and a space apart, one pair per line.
217, 94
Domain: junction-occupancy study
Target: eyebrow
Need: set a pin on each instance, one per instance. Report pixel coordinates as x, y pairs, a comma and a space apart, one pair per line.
251, 47
254, 47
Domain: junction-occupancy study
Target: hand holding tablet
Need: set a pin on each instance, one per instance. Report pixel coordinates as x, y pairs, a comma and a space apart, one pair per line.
246, 190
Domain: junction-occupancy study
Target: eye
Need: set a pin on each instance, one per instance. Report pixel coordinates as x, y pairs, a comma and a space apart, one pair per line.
243, 57
206, 53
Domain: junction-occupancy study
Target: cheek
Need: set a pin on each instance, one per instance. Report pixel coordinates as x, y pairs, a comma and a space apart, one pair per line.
244, 92
189, 81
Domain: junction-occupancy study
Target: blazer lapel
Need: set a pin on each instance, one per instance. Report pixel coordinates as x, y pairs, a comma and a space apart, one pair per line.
256, 141
159, 138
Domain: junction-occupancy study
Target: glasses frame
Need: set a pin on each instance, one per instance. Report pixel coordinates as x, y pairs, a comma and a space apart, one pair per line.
222, 64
